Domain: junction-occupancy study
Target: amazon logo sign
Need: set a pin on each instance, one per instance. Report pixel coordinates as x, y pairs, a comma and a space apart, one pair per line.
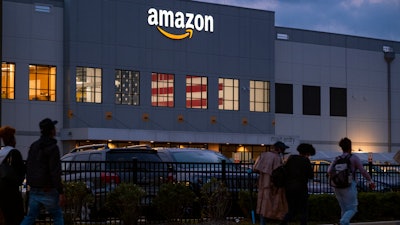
186, 22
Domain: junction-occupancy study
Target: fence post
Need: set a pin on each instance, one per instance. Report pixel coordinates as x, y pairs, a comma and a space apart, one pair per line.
370, 168
223, 170
134, 169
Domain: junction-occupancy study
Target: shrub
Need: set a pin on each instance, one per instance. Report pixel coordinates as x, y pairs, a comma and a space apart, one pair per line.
372, 206
124, 201
215, 199
174, 200
323, 207
78, 199
247, 202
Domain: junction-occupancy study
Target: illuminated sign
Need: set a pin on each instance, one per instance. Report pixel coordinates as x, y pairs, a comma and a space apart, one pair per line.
186, 21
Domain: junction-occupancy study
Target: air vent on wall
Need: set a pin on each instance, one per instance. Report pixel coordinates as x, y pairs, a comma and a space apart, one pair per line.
282, 36
42, 8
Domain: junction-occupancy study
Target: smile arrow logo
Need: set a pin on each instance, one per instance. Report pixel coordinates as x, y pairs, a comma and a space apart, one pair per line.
188, 33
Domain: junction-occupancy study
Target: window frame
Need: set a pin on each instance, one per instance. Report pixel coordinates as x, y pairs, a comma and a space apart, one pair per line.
131, 84
228, 94
8, 80
163, 90
260, 96
193, 89
94, 79
37, 77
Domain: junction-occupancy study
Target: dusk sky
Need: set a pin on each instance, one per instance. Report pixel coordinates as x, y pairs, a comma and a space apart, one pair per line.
367, 18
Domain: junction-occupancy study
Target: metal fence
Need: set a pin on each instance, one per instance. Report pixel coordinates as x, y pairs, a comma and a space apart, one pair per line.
103, 177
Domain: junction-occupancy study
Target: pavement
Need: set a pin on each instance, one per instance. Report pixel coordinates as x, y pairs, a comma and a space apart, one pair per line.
390, 222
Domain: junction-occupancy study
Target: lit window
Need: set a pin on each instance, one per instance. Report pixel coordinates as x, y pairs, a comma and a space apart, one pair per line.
88, 84
259, 96
42, 83
228, 94
162, 90
127, 87
196, 92
7, 80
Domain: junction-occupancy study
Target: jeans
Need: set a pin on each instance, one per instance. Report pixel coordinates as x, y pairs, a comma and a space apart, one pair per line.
298, 204
263, 220
348, 202
49, 199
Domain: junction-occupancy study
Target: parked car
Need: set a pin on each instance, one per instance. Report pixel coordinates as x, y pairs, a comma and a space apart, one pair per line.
196, 167
385, 174
102, 169
320, 183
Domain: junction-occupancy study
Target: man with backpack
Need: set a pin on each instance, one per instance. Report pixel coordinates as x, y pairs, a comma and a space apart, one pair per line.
347, 194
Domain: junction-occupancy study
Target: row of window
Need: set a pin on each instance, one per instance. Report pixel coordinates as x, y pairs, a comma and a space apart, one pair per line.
42, 87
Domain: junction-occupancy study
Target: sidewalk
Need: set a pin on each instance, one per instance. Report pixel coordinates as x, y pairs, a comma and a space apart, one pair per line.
392, 222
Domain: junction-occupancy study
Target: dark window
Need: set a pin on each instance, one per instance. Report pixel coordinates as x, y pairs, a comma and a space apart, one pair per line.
284, 98
338, 101
311, 100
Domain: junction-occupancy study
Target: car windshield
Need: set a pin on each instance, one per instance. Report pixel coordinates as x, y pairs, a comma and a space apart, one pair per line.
198, 157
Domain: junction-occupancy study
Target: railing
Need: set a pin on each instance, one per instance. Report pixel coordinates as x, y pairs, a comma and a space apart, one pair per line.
103, 177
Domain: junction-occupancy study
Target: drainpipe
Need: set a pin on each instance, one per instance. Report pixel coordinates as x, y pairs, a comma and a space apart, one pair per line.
389, 56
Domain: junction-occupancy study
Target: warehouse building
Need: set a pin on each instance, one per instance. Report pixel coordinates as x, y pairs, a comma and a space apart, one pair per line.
192, 74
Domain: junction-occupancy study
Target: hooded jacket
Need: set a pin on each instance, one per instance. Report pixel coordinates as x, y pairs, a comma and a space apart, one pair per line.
44, 165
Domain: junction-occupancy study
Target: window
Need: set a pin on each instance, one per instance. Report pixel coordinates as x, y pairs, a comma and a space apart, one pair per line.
196, 92
7, 80
259, 96
88, 84
127, 87
162, 90
42, 83
284, 98
228, 94
311, 100
338, 101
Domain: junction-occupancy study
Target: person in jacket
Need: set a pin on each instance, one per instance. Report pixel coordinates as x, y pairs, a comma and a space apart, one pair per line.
12, 175
271, 201
43, 175
298, 171
347, 197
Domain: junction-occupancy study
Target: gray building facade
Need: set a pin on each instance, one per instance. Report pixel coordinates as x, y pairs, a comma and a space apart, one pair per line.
188, 73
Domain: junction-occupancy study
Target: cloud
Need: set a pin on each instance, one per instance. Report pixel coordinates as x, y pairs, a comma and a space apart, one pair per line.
367, 18
351, 4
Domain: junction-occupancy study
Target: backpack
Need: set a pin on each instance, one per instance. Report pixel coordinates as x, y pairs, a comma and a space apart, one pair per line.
341, 175
278, 176
7, 173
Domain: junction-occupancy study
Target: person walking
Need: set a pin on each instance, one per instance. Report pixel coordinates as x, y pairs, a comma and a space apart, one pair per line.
298, 170
347, 197
12, 174
271, 201
44, 175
